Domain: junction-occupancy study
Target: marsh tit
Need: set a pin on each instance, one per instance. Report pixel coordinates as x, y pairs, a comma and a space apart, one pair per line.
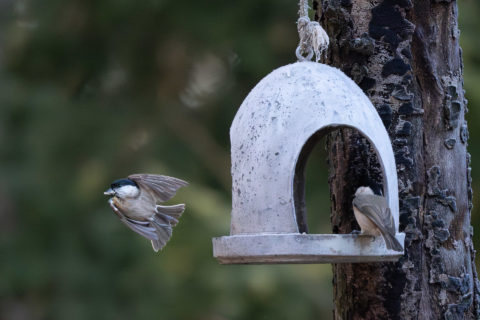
134, 200
374, 217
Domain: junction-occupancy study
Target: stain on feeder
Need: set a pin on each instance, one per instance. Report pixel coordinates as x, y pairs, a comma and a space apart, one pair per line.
292, 108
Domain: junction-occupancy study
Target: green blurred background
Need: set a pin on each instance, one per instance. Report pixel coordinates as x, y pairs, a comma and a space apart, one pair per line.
91, 91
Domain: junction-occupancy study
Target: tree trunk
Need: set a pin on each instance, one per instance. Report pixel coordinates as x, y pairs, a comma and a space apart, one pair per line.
406, 57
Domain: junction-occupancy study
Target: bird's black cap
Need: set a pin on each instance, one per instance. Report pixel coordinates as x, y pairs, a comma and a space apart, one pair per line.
122, 182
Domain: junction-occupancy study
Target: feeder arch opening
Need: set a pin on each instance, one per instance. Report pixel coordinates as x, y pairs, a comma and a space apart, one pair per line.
299, 179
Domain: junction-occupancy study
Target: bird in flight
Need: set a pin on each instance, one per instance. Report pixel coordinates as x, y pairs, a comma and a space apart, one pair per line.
135, 201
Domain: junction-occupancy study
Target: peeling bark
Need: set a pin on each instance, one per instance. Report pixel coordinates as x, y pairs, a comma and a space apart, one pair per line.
406, 57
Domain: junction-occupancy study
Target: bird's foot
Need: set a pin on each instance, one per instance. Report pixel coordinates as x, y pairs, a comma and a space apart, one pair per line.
356, 232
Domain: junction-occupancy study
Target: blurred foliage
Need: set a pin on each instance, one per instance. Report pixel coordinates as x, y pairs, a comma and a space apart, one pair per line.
91, 91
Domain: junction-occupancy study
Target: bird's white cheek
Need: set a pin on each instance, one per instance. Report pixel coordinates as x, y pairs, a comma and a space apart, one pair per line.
127, 192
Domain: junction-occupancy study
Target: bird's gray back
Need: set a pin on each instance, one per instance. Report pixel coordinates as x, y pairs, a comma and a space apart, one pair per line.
375, 207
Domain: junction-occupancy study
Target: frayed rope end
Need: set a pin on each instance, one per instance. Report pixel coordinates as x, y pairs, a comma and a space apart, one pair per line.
312, 39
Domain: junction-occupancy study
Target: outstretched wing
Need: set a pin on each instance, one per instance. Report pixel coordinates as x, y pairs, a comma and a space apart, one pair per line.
163, 187
143, 228
159, 229
376, 209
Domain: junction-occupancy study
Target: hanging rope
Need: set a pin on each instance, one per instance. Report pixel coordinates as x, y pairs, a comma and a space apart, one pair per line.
313, 39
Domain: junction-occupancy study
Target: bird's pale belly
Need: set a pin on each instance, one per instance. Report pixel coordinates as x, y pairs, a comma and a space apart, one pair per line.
135, 208
367, 225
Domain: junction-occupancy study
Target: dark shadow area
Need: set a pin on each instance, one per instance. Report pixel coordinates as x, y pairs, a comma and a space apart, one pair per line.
314, 149
312, 194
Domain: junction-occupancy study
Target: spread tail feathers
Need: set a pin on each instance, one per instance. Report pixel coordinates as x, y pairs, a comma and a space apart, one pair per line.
171, 213
165, 218
392, 243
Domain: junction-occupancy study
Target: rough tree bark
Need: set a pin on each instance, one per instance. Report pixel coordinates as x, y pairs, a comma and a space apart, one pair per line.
405, 55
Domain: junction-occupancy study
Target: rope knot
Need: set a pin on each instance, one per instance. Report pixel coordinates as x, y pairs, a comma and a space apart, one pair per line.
313, 39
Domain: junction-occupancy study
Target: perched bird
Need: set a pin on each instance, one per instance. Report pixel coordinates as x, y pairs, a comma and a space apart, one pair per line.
134, 200
374, 217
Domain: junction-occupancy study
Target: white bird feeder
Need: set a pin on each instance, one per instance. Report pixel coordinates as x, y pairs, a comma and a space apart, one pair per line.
287, 108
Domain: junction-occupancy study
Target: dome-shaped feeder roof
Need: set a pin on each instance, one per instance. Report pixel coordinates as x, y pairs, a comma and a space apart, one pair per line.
268, 133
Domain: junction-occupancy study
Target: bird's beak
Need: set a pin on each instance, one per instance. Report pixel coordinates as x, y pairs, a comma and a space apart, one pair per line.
109, 192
